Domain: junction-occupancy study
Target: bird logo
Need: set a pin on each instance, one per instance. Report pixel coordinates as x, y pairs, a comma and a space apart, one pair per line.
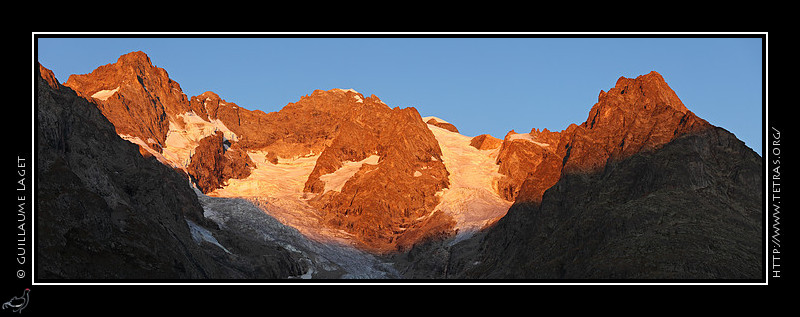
18, 303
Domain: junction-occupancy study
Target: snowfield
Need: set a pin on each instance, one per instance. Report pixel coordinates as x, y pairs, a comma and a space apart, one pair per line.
472, 198
182, 140
271, 205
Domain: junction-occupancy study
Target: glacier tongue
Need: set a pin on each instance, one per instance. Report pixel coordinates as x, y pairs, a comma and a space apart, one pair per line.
334, 260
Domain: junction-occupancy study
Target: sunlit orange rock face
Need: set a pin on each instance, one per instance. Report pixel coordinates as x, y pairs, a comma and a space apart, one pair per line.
215, 161
639, 114
49, 77
485, 142
386, 205
444, 125
137, 97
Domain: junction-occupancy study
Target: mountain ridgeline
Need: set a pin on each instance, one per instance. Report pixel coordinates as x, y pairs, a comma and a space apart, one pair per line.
643, 189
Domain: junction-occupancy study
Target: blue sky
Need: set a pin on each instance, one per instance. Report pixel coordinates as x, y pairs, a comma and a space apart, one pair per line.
484, 84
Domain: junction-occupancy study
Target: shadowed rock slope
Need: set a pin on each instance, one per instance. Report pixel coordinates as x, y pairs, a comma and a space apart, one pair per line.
690, 210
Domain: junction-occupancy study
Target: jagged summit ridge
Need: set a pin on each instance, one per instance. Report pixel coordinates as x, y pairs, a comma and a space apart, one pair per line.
647, 89
637, 114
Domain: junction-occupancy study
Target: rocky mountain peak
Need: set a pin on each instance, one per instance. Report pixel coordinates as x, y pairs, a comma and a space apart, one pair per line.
211, 106
135, 58
138, 63
637, 114
209, 95
387, 203
645, 90
138, 98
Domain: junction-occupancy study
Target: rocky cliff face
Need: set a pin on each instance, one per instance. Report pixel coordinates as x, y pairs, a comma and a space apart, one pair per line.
442, 124
485, 142
528, 159
106, 212
137, 97
387, 203
215, 161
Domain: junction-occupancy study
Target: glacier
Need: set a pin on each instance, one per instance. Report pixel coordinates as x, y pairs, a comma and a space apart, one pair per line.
326, 259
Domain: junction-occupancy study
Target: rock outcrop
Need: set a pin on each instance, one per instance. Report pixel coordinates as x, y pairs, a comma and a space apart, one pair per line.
106, 212
442, 124
485, 142
526, 157
215, 161
386, 205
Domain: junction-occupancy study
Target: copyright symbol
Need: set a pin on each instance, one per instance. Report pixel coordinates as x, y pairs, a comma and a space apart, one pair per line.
20, 274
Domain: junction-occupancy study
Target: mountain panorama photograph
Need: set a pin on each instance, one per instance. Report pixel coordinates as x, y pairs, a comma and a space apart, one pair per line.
428, 159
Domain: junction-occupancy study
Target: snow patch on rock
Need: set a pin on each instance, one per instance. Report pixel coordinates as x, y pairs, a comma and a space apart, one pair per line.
426, 119
104, 94
138, 141
357, 96
526, 136
200, 234
336, 180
